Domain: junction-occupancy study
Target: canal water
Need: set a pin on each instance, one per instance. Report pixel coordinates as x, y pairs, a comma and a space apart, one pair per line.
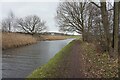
20, 62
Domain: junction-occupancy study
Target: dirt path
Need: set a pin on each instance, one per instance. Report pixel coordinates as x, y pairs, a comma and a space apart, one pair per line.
76, 61
77, 67
72, 63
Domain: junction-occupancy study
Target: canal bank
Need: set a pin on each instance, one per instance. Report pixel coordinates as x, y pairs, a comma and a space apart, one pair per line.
78, 60
65, 64
20, 62
14, 40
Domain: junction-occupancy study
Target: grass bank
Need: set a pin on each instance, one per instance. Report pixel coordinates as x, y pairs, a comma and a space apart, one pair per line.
51, 69
12, 40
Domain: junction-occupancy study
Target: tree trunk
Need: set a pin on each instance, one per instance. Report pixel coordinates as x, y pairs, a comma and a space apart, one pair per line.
106, 25
116, 27
9, 27
83, 35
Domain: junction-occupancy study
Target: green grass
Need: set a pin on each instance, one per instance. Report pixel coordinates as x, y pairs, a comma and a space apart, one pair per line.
75, 36
49, 70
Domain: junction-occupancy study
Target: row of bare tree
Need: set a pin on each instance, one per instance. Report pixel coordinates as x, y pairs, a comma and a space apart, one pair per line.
95, 21
29, 24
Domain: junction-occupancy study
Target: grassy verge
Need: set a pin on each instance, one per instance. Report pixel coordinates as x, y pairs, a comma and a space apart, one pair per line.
51, 69
75, 36
12, 40
98, 65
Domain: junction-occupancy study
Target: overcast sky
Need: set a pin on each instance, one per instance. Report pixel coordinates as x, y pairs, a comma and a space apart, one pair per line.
45, 10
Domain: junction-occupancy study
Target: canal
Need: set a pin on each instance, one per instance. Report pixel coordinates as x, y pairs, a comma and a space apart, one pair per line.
20, 62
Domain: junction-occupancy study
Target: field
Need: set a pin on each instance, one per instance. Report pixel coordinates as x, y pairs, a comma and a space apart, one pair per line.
11, 40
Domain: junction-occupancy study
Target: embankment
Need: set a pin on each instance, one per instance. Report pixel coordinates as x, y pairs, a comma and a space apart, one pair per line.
12, 40
78, 60
52, 68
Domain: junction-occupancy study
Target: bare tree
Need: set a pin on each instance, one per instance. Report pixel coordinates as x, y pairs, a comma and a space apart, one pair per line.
70, 16
4, 24
92, 23
89, 19
105, 21
31, 24
7, 23
116, 27
107, 17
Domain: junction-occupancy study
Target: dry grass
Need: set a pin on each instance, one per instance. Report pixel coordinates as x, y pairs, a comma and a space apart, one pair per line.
50, 37
11, 40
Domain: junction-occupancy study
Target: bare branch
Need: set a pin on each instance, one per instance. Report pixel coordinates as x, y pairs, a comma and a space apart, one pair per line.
96, 4
111, 9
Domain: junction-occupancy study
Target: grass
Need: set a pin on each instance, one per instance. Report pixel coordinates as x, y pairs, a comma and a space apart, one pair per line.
51, 69
75, 36
11, 40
